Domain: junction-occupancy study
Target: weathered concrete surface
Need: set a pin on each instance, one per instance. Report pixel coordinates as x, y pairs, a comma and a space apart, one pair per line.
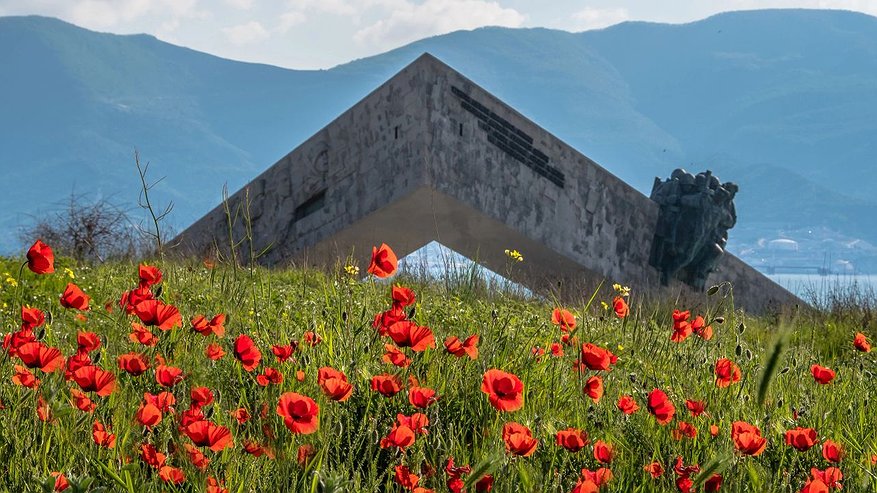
429, 155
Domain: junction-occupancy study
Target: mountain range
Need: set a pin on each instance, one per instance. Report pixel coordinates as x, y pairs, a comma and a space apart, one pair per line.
783, 102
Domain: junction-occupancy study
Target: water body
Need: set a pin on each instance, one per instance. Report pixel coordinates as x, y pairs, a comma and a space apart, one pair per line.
806, 286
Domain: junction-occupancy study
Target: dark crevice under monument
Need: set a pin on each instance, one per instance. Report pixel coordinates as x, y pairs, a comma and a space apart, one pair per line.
429, 155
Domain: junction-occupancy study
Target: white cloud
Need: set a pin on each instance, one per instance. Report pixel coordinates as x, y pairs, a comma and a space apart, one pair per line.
240, 4
591, 18
247, 33
290, 19
337, 7
411, 21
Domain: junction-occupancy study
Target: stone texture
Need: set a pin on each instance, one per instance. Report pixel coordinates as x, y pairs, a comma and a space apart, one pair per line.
429, 155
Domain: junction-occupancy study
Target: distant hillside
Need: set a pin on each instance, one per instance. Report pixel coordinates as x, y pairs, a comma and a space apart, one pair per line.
781, 101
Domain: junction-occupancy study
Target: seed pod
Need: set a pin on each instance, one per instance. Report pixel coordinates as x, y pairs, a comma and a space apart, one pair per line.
738, 350
741, 328
780, 403
749, 355
784, 371
719, 320
712, 290
632, 377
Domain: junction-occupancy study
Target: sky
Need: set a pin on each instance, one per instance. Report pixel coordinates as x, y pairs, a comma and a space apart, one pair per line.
313, 34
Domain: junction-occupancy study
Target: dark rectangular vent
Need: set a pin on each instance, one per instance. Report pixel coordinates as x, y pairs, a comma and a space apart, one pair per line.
510, 139
311, 205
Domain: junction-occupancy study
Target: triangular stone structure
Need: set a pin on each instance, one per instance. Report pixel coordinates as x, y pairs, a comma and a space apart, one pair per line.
430, 155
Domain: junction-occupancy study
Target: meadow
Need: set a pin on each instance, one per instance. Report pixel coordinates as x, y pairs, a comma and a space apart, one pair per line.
205, 376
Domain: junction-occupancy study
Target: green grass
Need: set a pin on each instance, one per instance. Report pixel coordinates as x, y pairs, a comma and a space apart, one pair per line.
279, 306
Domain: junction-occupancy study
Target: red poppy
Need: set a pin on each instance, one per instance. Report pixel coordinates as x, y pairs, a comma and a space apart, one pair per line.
24, 377
214, 351
815, 486
821, 374
627, 404
505, 390
620, 307
151, 456
81, 401
384, 262
14, 340
73, 297
31, 318
684, 429
713, 483
597, 358
384, 320
681, 327
585, 486
603, 452
311, 338
660, 406
133, 363
571, 439
600, 477
801, 438
101, 437
696, 408
655, 469
300, 413
75, 362
861, 343
386, 384
417, 422
246, 352
701, 329
270, 375
400, 436
215, 325
594, 388
484, 484
61, 482
198, 459
148, 414
201, 396
832, 451
831, 476
94, 379
747, 438
304, 454
405, 478
142, 335
402, 296
38, 355
154, 312
727, 372
421, 397
283, 353
334, 384
563, 318
395, 356
173, 475
459, 349
168, 376
87, 341
132, 298
149, 275
714, 430
409, 334
208, 434
519, 439
40, 259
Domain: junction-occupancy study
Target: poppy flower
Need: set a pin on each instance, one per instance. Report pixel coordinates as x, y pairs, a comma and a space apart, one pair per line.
395, 356
620, 307
198, 459
173, 475
409, 334
189, 416
87, 341
727, 372
384, 262
168, 376
78, 360
627, 404
701, 329
214, 351
564, 319
154, 312
300, 413
283, 353
31, 318
208, 434
603, 452
201, 396
387, 385
101, 437
655, 469
594, 388
832, 451
95, 379
74, 298
556, 350
304, 454
215, 325
270, 375
597, 358
148, 414
600, 477
384, 320
831, 476
24, 377
311, 338
246, 352
38, 355
417, 422
484, 484
469, 347
421, 397
40, 258
505, 390
747, 438
518, 439
151, 456
571, 439
402, 296
801, 438
81, 401
149, 275
684, 429
681, 326
660, 406
131, 299
133, 363
815, 486
14, 340
405, 478
334, 384
585, 486
401, 437
821, 374
142, 335
61, 482
714, 431
713, 483
861, 343
696, 408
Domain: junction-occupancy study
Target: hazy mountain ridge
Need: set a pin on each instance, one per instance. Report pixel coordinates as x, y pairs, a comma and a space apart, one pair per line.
780, 101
